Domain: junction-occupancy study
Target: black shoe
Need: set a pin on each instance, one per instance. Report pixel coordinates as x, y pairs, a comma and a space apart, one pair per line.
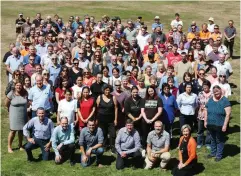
113, 151
210, 156
218, 159
72, 163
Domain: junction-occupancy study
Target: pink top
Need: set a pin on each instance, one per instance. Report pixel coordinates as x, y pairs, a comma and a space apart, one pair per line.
211, 79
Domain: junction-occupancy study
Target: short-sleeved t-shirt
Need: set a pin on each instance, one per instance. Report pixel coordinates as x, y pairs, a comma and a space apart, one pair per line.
61, 93
158, 142
68, 109
216, 111
173, 58
151, 106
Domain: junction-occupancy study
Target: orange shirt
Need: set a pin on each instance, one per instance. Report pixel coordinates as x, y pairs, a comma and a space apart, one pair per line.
24, 52
100, 42
204, 35
190, 36
156, 58
214, 36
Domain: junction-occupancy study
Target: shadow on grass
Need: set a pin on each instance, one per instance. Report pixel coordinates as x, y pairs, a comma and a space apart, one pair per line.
233, 129
234, 103
236, 57
230, 150
107, 160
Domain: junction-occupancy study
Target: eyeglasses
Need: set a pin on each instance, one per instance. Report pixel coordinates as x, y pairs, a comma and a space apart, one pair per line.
222, 76
81, 53
117, 85
17, 75
54, 58
201, 73
133, 62
31, 59
46, 73
76, 63
218, 40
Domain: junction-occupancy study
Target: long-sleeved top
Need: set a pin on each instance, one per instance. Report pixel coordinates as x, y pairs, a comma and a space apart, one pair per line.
88, 139
40, 130
62, 136
128, 142
187, 103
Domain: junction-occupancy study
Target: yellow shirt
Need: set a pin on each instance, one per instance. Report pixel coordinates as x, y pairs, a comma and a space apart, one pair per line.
24, 52
190, 36
156, 58
214, 36
204, 35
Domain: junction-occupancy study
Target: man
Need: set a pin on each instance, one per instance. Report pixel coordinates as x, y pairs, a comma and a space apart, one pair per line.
170, 73
183, 66
222, 48
32, 52
173, 57
120, 31
42, 128
63, 142
149, 47
19, 23
69, 42
151, 62
223, 65
37, 20
193, 24
29, 68
12, 62
143, 37
158, 143
83, 62
158, 34
101, 40
76, 23
54, 68
176, 22
114, 64
96, 88
26, 27
156, 24
41, 47
138, 22
38, 71
216, 33
211, 24
205, 33
91, 142
7, 54
191, 34
177, 36
128, 145
214, 54
229, 34
46, 59
130, 31
40, 96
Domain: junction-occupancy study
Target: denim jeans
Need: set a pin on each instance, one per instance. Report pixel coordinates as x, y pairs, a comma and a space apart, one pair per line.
217, 143
98, 152
38, 143
200, 134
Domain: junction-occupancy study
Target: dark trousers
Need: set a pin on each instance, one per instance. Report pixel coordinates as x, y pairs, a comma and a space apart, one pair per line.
229, 45
108, 128
67, 151
146, 128
47, 113
200, 134
217, 143
136, 160
186, 119
38, 143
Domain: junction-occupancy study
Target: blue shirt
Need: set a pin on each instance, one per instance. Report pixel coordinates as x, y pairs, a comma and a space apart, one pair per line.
88, 139
54, 72
164, 80
155, 25
40, 97
65, 137
190, 29
111, 66
41, 50
37, 59
75, 25
40, 130
169, 106
216, 112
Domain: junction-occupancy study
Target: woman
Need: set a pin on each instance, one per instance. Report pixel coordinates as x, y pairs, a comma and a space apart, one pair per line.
173, 89
60, 91
185, 42
199, 81
203, 98
134, 76
106, 77
67, 108
89, 52
147, 75
213, 77
141, 87
169, 107
125, 85
132, 108
187, 103
151, 110
107, 114
115, 76
68, 61
27, 83
217, 115
85, 107
223, 83
11, 85
88, 79
191, 59
161, 72
77, 88
187, 153
187, 78
132, 63
16, 103
121, 97
200, 63
75, 71
197, 50
97, 64
46, 80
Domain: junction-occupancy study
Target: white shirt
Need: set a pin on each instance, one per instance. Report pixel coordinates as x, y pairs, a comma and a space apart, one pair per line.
41, 50
208, 49
68, 109
211, 27
77, 90
84, 64
175, 23
226, 89
45, 61
226, 67
187, 103
223, 49
142, 40
180, 51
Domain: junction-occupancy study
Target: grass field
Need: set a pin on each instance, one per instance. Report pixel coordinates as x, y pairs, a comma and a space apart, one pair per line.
16, 165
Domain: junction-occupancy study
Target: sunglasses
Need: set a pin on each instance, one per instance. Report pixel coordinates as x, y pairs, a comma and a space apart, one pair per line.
133, 61
76, 63
222, 76
81, 53
201, 73
46, 73
117, 85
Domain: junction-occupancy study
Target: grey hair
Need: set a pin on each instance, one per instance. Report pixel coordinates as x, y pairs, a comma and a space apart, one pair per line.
186, 126
64, 117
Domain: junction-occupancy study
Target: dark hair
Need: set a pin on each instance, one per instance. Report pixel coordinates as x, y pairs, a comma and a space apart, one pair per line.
187, 74
117, 69
106, 86
164, 85
135, 67
68, 91
214, 68
206, 83
129, 121
61, 82
133, 88
170, 79
86, 87
175, 45
91, 120
188, 84
170, 67
35, 65
217, 87
125, 73
40, 108
105, 67
147, 94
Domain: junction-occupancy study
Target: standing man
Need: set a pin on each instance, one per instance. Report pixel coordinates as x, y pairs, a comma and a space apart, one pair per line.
46, 59
91, 142
177, 21
19, 23
156, 24
229, 34
143, 37
223, 66
158, 143
29, 68
54, 68
128, 145
37, 20
130, 31
42, 128
41, 47
63, 141
211, 24
157, 33
40, 96
32, 52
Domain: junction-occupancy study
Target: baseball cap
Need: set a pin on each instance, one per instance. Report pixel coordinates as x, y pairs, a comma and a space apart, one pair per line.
211, 19
157, 18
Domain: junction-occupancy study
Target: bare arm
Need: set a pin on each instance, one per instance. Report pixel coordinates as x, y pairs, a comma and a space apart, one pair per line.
228, 113
116, 110
57, 97
159, 112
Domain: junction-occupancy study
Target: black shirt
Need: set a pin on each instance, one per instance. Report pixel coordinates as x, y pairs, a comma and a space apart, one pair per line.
19, 22
184, 151
96, 89
151, 106
133, 107
37, 22
6, 56
74, 75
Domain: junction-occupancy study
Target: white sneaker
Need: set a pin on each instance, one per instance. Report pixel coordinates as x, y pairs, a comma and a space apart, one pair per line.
143, 153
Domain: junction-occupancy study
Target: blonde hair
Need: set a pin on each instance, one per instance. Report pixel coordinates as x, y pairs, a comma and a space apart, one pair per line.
186, 126
161, 65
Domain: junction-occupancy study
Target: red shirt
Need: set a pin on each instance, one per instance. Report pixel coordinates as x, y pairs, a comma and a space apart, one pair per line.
146, 48
29, 69
173, 58
61, 93
85, 109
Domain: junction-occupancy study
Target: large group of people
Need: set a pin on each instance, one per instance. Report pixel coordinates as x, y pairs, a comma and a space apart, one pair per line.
115, 86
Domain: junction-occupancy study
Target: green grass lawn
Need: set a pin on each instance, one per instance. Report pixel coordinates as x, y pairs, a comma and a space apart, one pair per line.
16, 164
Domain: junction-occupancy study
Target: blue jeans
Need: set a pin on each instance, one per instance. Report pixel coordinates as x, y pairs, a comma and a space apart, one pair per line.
98, 152
38, 143
217, 143
200, 134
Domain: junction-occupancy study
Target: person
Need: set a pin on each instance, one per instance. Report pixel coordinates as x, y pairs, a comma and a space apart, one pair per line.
187, 103
54, 68
63, 141
142, 37
88, 79
19, 23
151, 110
115, 76
158, 144
96, 87
223, 65
156, 24
217, 116
173, 57
67, 108
177, 21
212, 77
42, 128
29, 68
187, 78
107, 113
91, 142
203, 98
16, 103
86, 107
187, 153
173, 89
60, 91
169, 108
199, 81
211, 25
77, 88
75, 72
11, 84
200, 63
169, 73
40, 96
38, 71
141, 86
130, 31
127, 145
229, 34
46, 59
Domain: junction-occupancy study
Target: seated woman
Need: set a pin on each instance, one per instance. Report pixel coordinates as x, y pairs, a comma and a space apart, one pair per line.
187, 153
